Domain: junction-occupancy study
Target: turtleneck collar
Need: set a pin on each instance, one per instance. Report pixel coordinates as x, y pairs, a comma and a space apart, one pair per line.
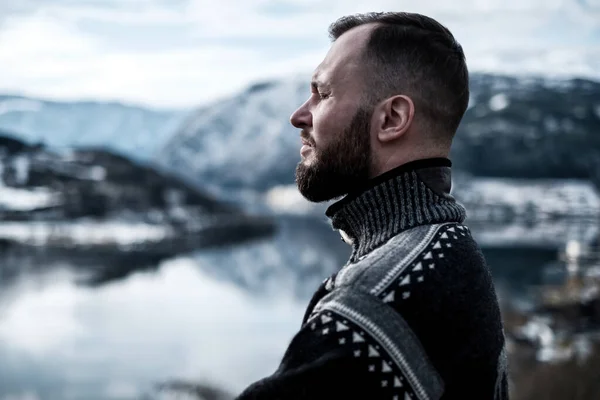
416, 193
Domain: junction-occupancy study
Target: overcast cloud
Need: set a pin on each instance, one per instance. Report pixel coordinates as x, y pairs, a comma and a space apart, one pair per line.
181, 53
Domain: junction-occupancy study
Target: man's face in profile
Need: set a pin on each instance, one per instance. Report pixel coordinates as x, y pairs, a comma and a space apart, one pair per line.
333, 169
336, 155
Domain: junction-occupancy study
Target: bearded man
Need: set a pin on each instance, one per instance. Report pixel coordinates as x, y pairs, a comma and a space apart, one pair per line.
413, 314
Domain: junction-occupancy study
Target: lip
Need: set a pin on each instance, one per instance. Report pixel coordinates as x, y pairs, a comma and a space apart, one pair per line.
305, 150
307, 145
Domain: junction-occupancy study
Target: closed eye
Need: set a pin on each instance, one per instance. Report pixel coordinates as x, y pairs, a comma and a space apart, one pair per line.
316, 89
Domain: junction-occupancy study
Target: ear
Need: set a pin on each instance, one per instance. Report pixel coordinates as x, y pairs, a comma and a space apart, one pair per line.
394, 118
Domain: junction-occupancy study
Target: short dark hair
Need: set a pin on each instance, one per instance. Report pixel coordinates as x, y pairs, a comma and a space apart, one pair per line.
415, 55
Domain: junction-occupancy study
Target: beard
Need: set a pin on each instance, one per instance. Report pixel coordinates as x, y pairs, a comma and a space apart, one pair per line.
341, 166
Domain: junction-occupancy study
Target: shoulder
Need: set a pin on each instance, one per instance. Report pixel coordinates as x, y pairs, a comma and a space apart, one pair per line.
374, 333
425, 254
426, 280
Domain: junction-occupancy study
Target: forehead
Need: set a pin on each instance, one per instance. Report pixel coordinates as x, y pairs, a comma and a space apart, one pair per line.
343, 61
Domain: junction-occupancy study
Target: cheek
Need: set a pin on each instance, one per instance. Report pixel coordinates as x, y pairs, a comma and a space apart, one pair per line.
325, 130
330, 120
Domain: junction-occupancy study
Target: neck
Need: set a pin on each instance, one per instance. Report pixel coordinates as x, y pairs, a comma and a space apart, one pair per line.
418, 154
416, 193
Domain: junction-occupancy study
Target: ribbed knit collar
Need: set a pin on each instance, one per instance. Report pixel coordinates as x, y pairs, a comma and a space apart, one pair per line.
416, 193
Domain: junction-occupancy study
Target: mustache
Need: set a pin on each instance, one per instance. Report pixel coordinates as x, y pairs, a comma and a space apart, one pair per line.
306, 137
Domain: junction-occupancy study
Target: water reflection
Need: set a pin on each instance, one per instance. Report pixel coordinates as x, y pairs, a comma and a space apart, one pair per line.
225, 315
62, 341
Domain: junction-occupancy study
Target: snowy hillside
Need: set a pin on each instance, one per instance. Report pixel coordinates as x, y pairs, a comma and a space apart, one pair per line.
244, 141
135, 131
515, 127
90, 207
502, 199
531, 128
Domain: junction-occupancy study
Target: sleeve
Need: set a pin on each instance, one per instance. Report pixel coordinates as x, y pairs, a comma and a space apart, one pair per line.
352, 346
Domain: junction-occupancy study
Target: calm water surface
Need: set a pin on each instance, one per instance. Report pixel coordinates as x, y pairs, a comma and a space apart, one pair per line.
223, 316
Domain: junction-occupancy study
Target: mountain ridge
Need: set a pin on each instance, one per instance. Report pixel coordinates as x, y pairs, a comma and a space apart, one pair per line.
134, 130
102, 211
518, 127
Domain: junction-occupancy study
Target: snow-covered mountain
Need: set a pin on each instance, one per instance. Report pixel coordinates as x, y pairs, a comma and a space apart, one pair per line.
503, 199
244, 141
515, 127
531, 128
135, 131
101, 211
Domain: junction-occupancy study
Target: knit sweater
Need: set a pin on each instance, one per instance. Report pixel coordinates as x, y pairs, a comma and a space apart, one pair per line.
412, 315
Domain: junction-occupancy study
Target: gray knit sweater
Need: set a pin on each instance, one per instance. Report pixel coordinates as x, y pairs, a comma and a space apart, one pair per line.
412, 315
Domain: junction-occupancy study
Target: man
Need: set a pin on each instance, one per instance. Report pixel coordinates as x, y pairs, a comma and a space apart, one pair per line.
413, 314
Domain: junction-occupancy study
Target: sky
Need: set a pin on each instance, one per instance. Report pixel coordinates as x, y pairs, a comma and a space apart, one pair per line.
184, 53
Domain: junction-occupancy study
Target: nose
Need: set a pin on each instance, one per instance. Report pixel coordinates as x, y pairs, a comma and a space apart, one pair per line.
302, 118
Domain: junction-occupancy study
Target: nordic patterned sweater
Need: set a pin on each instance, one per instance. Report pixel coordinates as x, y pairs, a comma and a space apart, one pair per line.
412, 315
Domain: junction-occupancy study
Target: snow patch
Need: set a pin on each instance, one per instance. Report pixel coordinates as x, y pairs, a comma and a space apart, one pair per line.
23, 200
83, 233
499, 102
97, 173
21, 165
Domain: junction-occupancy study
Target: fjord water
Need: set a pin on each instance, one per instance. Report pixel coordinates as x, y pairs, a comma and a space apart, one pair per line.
221, 316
